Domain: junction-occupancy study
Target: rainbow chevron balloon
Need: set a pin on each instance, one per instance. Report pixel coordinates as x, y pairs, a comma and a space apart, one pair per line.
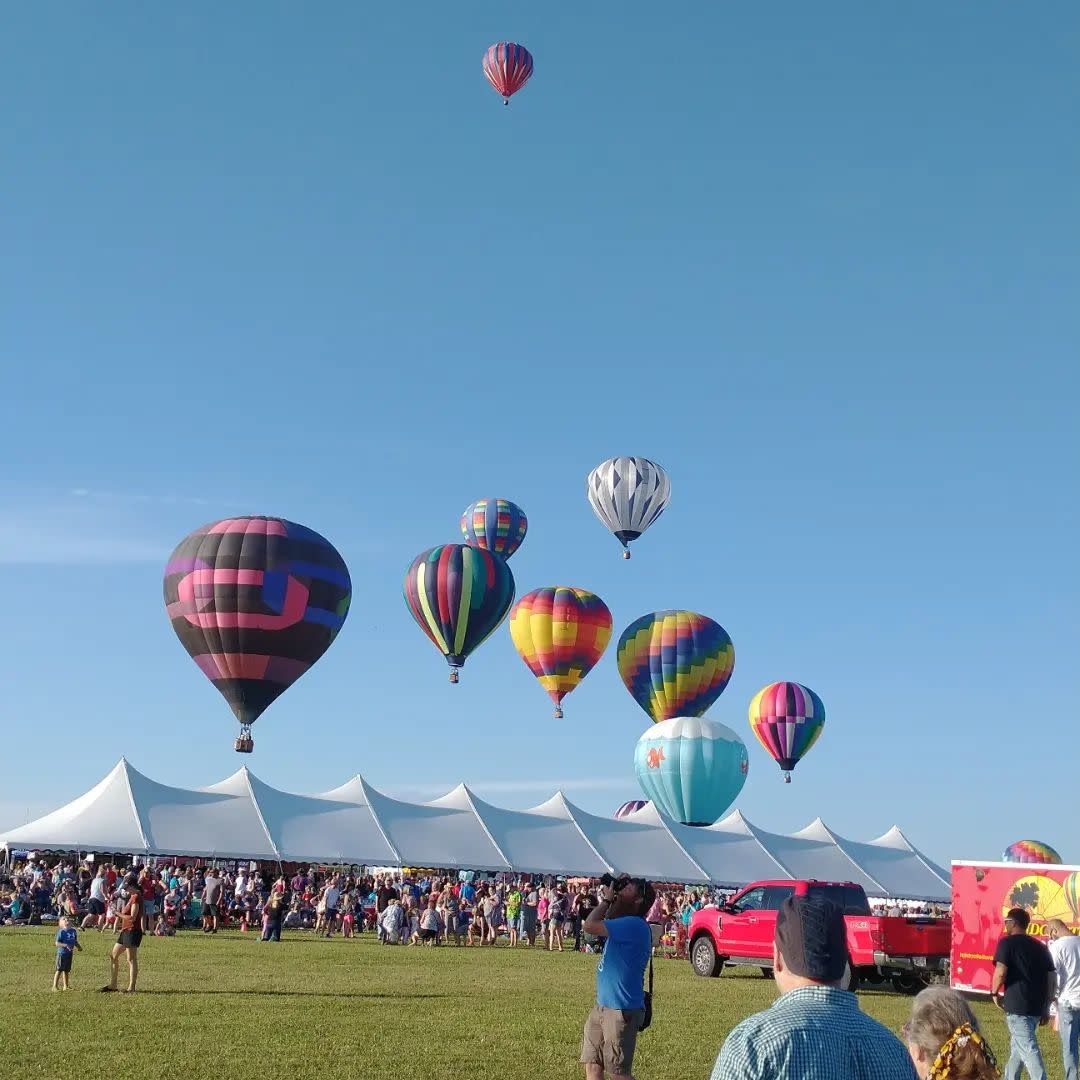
1030, 851
560, 632
675, 663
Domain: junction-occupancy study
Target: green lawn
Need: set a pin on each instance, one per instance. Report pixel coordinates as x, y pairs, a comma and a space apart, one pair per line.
231, 1006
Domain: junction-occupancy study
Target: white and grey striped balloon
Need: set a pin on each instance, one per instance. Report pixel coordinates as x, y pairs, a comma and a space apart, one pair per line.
628, 494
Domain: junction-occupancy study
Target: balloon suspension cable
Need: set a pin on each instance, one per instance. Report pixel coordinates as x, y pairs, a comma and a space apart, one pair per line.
558, 712
454, 676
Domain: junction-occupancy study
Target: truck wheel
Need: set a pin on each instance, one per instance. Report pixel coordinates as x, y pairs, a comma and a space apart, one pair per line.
704, 959
768, 973
852, 980
906, 983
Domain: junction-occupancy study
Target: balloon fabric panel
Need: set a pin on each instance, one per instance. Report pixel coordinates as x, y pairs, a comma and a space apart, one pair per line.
675, 663
458, 595
496, 525
255, 601
560, 632
787, 718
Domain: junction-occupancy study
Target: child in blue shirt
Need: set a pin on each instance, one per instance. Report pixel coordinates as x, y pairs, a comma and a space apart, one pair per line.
67, 941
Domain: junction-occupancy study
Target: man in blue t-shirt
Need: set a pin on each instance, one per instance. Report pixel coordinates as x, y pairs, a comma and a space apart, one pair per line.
612, 1027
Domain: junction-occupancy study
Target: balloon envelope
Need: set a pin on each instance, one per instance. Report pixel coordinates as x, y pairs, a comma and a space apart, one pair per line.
1070, 888
508, 67
560, 632
787, 719
1030, 851
494, 524
675, 663
628, 494
458, 595
631, 807
692, 768
256, 601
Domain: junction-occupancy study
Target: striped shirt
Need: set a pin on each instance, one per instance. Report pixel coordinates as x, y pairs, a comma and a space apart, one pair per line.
813, 1033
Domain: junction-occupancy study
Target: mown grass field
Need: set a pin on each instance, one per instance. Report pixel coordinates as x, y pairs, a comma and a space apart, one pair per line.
228, 1005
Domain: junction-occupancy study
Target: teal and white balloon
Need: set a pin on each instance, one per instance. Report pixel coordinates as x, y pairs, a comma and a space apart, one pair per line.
692, 768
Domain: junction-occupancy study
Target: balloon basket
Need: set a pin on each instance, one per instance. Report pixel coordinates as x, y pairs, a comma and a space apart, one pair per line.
626, 553
787, 778
453, 678
558, 713
244, 744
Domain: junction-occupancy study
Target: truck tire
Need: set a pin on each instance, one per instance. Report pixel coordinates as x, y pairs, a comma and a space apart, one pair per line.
703, 957
852, 983
768, 973
905, 982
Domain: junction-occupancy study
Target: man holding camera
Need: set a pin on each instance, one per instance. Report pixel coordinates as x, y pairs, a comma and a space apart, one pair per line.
612, 1027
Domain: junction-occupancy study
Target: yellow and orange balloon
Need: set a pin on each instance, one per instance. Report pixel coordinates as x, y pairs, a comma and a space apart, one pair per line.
560, 632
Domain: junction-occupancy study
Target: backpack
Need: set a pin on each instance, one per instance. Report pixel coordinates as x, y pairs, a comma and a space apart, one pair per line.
646, 1020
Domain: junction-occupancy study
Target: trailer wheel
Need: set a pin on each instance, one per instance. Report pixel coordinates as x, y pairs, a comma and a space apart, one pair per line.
703, 958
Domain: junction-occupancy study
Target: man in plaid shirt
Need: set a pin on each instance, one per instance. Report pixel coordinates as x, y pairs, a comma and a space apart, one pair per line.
815, 1030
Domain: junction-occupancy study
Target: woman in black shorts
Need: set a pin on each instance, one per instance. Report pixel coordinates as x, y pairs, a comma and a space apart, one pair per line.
130, 935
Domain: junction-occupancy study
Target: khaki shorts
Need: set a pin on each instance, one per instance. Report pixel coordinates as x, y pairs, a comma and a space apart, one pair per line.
610, 1037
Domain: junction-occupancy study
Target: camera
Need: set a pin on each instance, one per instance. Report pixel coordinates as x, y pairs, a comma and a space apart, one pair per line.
617, 883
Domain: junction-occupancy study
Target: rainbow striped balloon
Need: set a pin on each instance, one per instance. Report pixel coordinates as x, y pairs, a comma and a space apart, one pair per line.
631, 807
675, 663
458, 595
787, 719
1071, 888
494, 524
560, 632
1030, 851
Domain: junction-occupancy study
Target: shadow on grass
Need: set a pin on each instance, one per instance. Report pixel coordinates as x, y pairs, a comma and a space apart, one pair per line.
200, 992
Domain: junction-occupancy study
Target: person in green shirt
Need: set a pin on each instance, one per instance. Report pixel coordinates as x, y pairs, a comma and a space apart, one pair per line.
513, 911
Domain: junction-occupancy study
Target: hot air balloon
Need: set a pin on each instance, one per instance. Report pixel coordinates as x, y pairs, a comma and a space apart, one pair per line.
692, 768
458, 595
495, 525
255, 601
675, 663
1030, 851
628, 494
787, 719
508, 68
631, 807
1070, 888
560, 632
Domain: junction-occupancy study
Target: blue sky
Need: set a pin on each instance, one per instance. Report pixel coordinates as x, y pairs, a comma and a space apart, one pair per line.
819, 261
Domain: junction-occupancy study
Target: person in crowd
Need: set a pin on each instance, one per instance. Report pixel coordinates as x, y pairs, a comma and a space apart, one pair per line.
530, 902
67, 941
393, 921
814, 1031
97, 902
612, 1026
944, 1040
275, 911
131, 935
449, 901
493, 915
213, 889
430, 925
1065, 952
513, 913
556, 918
580, 906
1024, 969
655, 918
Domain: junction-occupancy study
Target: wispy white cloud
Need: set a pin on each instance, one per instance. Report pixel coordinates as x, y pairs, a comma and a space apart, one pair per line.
74, 530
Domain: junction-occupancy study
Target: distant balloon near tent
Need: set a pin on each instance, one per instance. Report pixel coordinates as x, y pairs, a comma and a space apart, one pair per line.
458, 595
508, 67
787, 718
692, 768
1031, 851
496, 525
675, 663
255, 601
631, 807
1070, 888
628, 494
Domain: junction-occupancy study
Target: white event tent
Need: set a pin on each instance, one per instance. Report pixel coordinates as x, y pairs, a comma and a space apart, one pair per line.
243, 818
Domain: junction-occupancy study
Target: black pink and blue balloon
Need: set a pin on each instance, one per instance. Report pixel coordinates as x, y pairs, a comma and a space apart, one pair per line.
256, 601
691, 768
496, 525
631, 807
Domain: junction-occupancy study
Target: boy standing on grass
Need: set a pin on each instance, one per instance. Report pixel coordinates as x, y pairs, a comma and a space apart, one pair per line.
67, 940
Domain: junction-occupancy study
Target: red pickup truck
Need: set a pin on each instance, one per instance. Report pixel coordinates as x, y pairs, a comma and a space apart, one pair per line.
903, 951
